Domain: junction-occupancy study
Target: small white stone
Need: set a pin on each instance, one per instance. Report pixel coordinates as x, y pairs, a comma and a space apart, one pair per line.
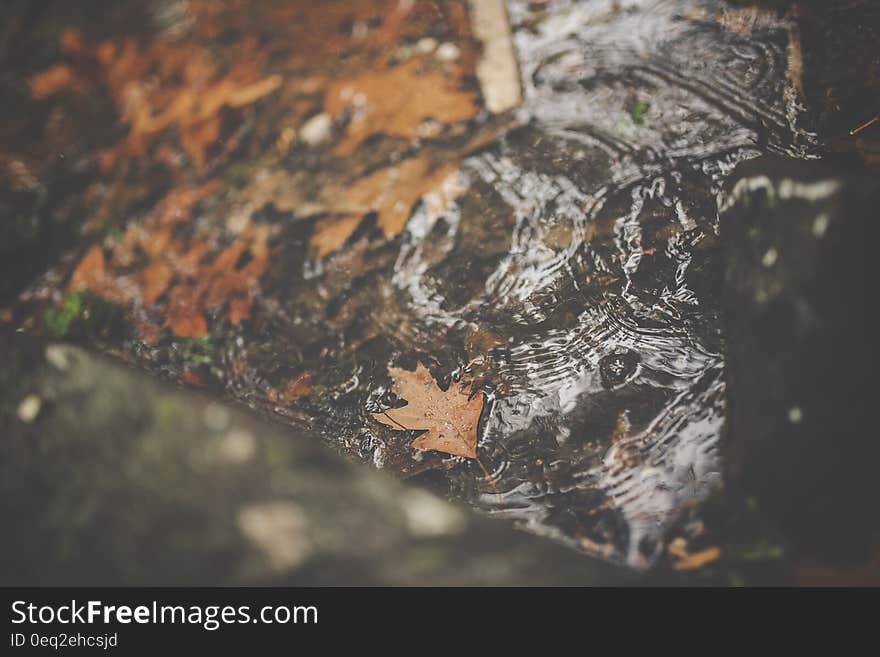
426, 45
360, 29
316, 130
29, 408
429, 128
239, 218
770, 257
795, 415
448, 52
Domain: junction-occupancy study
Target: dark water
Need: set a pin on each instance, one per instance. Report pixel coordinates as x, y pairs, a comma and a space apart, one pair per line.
570, 268
585, 245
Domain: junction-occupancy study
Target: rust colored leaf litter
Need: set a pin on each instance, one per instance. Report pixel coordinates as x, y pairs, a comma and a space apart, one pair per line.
184, 254
184, 105
398, 100
296, 207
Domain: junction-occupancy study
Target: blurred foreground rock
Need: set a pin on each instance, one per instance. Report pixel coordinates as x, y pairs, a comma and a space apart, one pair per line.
108, 477
800, 244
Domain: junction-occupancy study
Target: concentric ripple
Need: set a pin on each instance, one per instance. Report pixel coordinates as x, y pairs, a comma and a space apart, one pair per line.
570, 270
598, 278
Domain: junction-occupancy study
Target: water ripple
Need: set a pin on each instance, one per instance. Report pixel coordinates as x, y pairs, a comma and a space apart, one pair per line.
609, 390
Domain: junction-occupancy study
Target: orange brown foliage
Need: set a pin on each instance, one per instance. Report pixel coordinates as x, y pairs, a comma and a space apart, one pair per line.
391, 193
294, 389
192, 275
164, 84
398, 100
450, 417
53, 79
330, 233
320, 33
189, 95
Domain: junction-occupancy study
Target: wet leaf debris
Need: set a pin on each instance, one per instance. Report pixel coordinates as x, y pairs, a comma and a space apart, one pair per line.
450, 418
296, 205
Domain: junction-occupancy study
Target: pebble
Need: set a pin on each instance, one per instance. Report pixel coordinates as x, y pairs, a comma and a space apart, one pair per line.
448, 52
316, 130
29, 408
426, 45
360, 30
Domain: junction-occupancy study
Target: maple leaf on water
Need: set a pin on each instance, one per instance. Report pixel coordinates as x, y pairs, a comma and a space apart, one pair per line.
450, 417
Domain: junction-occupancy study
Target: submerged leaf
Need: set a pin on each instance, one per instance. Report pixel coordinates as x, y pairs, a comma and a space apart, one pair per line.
450, 417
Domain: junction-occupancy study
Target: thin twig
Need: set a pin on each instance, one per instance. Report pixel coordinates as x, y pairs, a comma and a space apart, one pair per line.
866, 124
488, 476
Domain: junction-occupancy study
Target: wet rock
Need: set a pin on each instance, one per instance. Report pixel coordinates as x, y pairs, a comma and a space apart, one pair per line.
113, 478
802, 350
588, 232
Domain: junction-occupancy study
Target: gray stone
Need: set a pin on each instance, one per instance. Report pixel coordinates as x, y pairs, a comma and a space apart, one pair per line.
799, 292
119, 479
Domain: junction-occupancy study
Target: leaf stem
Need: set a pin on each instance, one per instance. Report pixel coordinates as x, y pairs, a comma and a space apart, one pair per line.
866, 124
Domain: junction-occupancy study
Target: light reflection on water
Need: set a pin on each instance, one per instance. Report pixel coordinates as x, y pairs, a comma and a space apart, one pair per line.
609, 394
570, 268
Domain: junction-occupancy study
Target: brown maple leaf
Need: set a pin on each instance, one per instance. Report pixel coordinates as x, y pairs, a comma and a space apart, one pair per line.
450, 417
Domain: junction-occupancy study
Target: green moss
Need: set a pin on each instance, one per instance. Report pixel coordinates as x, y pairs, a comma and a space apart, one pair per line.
113, 233
83, 310
638, 110
199, 352
59, 320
